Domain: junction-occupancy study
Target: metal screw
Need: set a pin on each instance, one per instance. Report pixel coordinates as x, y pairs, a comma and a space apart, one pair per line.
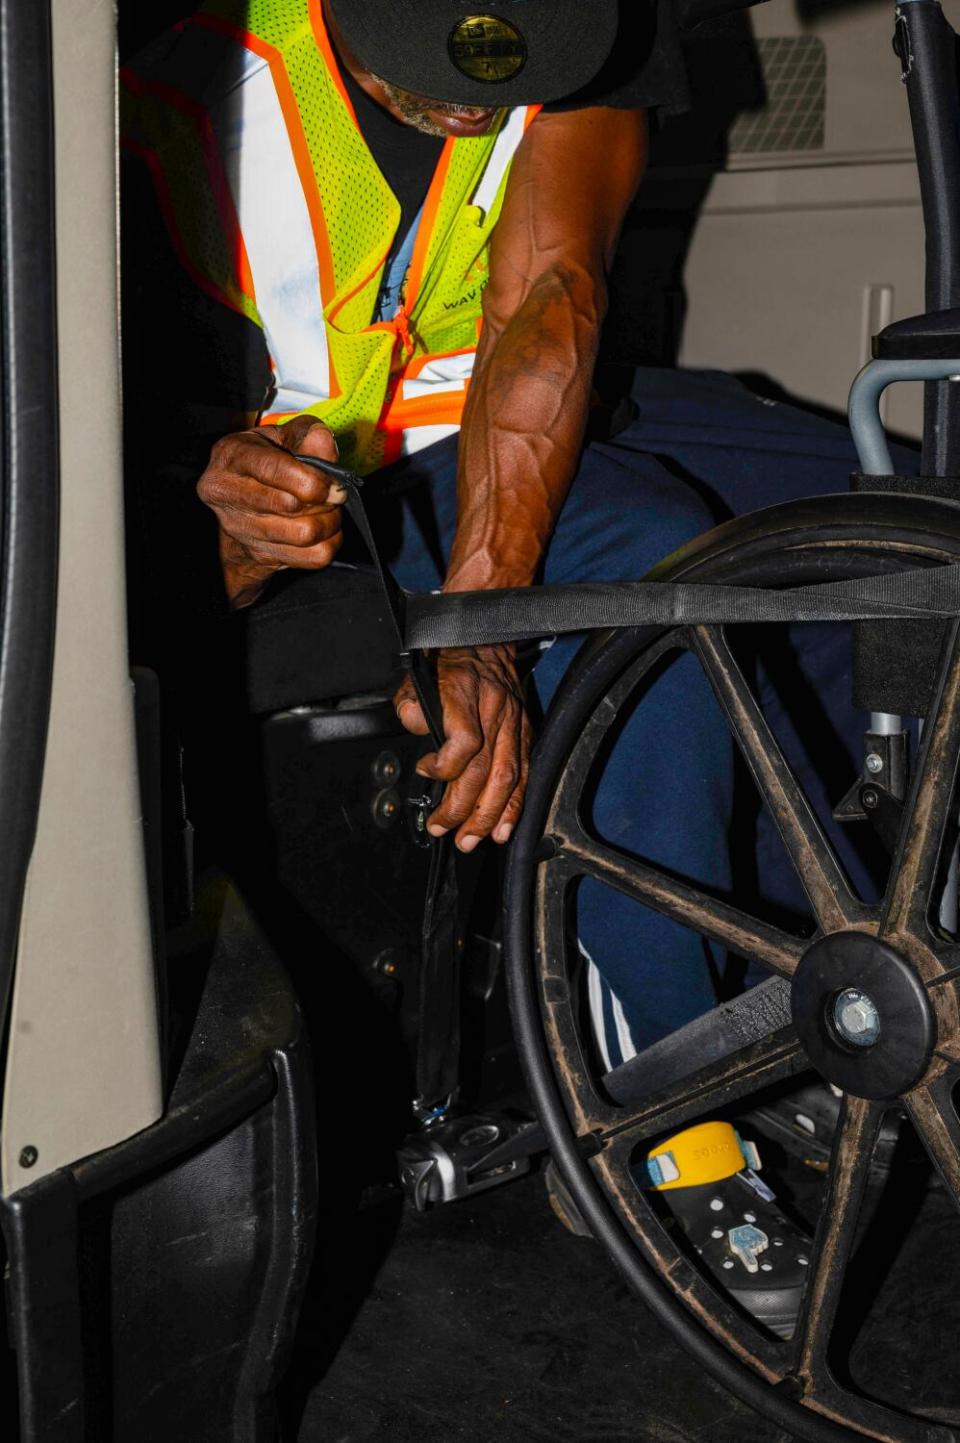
869, 798
874, 763
28, 1156
386, 769
386, 808
856, 1017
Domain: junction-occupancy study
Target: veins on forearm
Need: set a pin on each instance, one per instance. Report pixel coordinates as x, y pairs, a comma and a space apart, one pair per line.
523, 428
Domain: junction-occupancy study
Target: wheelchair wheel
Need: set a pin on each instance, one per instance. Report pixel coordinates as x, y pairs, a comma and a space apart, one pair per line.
598, 1125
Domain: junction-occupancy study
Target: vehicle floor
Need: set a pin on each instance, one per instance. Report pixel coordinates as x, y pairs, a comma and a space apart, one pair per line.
487, 1322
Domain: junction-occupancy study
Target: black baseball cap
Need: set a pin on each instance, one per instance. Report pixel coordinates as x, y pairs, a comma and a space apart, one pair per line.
507, 52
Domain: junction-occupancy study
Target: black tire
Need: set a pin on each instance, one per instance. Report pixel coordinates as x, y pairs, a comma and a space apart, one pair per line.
818, 540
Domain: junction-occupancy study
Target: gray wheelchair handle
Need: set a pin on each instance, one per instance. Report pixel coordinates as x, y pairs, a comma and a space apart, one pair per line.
863, 408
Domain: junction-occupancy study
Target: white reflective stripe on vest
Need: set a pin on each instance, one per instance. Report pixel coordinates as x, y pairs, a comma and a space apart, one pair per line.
417, 438
500, 157
275, 225
438, 375
288, 401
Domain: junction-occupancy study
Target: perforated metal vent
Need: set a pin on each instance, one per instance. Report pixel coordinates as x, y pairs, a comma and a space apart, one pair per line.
792, 118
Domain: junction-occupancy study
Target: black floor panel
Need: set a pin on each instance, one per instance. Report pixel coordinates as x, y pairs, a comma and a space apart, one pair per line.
486, 1322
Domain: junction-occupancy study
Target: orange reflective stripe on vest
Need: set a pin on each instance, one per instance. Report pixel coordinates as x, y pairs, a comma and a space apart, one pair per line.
277, 207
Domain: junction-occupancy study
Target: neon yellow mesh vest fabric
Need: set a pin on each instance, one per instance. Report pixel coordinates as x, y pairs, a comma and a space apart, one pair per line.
167, 122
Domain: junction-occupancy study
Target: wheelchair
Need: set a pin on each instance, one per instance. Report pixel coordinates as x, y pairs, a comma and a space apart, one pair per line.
894, 953
900, 940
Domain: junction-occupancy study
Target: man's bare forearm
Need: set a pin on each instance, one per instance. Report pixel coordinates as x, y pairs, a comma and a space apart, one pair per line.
523, 428
572, 180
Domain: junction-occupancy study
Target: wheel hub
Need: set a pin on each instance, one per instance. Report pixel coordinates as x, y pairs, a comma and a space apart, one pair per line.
863, 1015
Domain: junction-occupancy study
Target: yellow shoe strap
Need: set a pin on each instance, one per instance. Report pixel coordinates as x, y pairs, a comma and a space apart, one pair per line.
702, 1154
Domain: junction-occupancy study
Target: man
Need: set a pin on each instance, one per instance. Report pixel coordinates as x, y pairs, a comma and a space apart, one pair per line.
403, 215
513, 239
543, 302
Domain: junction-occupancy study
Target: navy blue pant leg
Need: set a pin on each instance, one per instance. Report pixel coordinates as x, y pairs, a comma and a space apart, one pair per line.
666, 790
702, 449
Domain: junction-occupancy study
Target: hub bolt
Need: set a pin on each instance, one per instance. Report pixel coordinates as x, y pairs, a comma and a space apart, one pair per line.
856, 1017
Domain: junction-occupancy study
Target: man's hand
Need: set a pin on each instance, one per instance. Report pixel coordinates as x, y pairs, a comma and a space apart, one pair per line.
485, 757
273, 512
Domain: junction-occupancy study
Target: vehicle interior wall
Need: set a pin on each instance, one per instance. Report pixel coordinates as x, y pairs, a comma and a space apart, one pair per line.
779, 225
814, 222
85, 950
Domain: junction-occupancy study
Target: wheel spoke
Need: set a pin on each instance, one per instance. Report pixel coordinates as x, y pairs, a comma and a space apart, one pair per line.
816, 865
738, 1048
849, 1171
853, 1148
745, 935
914, 871
935, 1118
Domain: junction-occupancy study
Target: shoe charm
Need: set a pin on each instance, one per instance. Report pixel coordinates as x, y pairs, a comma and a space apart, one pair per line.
747, 1243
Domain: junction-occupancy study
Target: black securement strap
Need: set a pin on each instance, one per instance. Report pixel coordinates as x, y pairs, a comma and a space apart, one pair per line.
479, 618
411, 659
438, 1032
482, 618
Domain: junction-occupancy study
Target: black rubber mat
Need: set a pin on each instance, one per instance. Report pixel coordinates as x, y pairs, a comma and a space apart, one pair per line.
486, 1322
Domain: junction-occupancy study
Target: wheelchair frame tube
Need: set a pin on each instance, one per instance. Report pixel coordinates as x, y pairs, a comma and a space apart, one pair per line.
927, 47
870, 440
863, 408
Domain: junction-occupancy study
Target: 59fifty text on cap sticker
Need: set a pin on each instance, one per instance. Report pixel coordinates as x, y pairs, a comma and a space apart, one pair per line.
487, 48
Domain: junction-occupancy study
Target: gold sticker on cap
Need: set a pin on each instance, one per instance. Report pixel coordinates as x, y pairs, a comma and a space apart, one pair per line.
487, 48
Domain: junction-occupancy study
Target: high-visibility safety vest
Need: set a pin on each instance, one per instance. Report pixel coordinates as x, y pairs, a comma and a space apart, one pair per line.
277, 209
